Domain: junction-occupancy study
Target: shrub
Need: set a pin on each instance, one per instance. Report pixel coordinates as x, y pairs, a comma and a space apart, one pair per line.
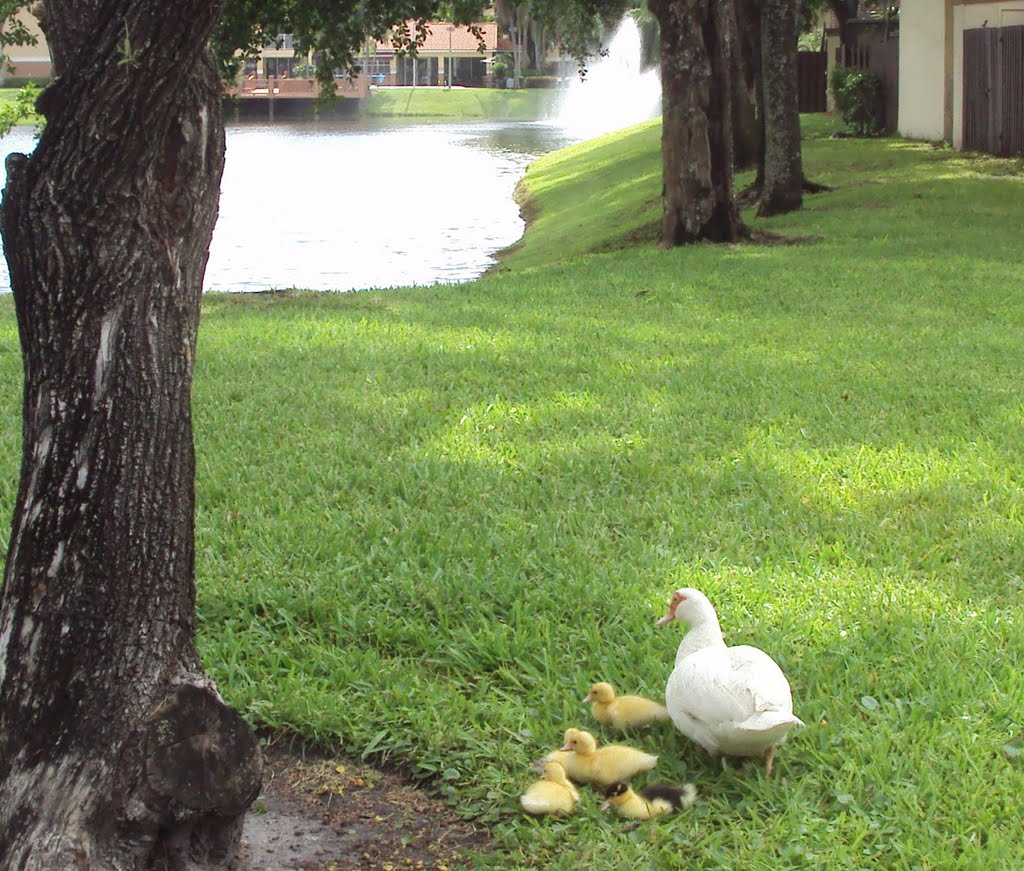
502, 66
859, 99
541, 81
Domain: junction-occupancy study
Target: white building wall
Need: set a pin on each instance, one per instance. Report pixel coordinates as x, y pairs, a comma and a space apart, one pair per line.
923, 85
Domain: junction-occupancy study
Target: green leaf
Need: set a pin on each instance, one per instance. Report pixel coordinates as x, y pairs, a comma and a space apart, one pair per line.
869, 702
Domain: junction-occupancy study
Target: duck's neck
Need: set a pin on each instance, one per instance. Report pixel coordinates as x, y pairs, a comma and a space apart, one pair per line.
704, 633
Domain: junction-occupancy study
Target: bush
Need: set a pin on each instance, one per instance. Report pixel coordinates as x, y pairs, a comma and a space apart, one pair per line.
501, 68
541, 81
859, 99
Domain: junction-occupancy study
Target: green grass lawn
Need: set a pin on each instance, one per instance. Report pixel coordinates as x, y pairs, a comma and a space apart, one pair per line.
469, 103
429, 519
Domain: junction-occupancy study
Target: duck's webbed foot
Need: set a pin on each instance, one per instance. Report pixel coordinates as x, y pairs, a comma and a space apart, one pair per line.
769, 761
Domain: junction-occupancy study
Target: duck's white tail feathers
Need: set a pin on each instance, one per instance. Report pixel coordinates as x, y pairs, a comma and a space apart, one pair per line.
772, 726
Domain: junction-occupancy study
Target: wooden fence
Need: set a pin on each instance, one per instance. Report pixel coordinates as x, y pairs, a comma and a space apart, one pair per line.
994, 90
813, 87
880, 55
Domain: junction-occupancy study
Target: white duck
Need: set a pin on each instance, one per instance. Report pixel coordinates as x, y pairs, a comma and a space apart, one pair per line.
733, 701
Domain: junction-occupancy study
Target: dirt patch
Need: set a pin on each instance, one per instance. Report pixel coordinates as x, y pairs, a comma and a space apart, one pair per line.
328, 814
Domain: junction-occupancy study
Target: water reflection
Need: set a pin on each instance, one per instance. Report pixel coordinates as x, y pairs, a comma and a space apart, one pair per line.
358, 204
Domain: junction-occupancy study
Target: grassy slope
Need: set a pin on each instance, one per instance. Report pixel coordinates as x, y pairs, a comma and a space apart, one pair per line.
428, 519
599, 194
485, 103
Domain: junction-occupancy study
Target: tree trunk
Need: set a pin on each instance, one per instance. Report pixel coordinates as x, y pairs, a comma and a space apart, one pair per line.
747, 114
115, 751
782, 190
697, 41
845, 12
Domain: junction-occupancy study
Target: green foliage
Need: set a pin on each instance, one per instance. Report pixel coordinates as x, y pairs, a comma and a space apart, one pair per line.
810, 40
125, 51
501, 67
859, 99
541, 81
576, 25
809, 13
19, 110
13, 30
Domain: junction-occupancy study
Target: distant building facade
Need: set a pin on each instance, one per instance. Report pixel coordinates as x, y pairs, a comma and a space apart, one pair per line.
27, 61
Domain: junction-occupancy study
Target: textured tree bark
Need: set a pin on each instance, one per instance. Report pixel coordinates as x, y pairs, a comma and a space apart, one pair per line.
747, 115
697, 43
782, 189
115, 751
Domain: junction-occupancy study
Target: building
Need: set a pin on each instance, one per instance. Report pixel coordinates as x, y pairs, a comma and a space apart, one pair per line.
27, 61
932, 96
451, 54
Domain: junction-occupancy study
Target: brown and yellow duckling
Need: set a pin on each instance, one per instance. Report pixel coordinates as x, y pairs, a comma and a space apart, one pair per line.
653, 801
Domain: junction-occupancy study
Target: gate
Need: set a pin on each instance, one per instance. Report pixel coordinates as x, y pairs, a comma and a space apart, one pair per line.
994, 90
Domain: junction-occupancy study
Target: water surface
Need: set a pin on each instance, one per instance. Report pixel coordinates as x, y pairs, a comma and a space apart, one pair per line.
346, 205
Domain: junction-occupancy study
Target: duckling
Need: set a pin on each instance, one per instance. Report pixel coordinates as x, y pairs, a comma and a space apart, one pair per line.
584, 762
623, 712
554, 794
661, 798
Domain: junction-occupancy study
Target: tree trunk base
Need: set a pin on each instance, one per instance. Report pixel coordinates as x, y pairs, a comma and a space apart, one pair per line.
814, 187
201, 768
751, 194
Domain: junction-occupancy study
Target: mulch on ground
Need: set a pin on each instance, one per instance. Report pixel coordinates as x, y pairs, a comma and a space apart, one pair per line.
318, 813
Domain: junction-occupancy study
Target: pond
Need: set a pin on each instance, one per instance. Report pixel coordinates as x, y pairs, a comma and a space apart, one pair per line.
361, 204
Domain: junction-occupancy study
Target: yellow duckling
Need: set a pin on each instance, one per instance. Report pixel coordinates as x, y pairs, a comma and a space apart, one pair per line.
552, 795
585, 762
623, 712
650, 802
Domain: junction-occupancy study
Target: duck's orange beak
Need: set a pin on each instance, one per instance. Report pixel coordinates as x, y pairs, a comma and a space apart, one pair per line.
588, 697
668, 618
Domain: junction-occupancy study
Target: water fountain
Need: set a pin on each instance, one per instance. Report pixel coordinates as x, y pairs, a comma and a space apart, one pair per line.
615, 93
